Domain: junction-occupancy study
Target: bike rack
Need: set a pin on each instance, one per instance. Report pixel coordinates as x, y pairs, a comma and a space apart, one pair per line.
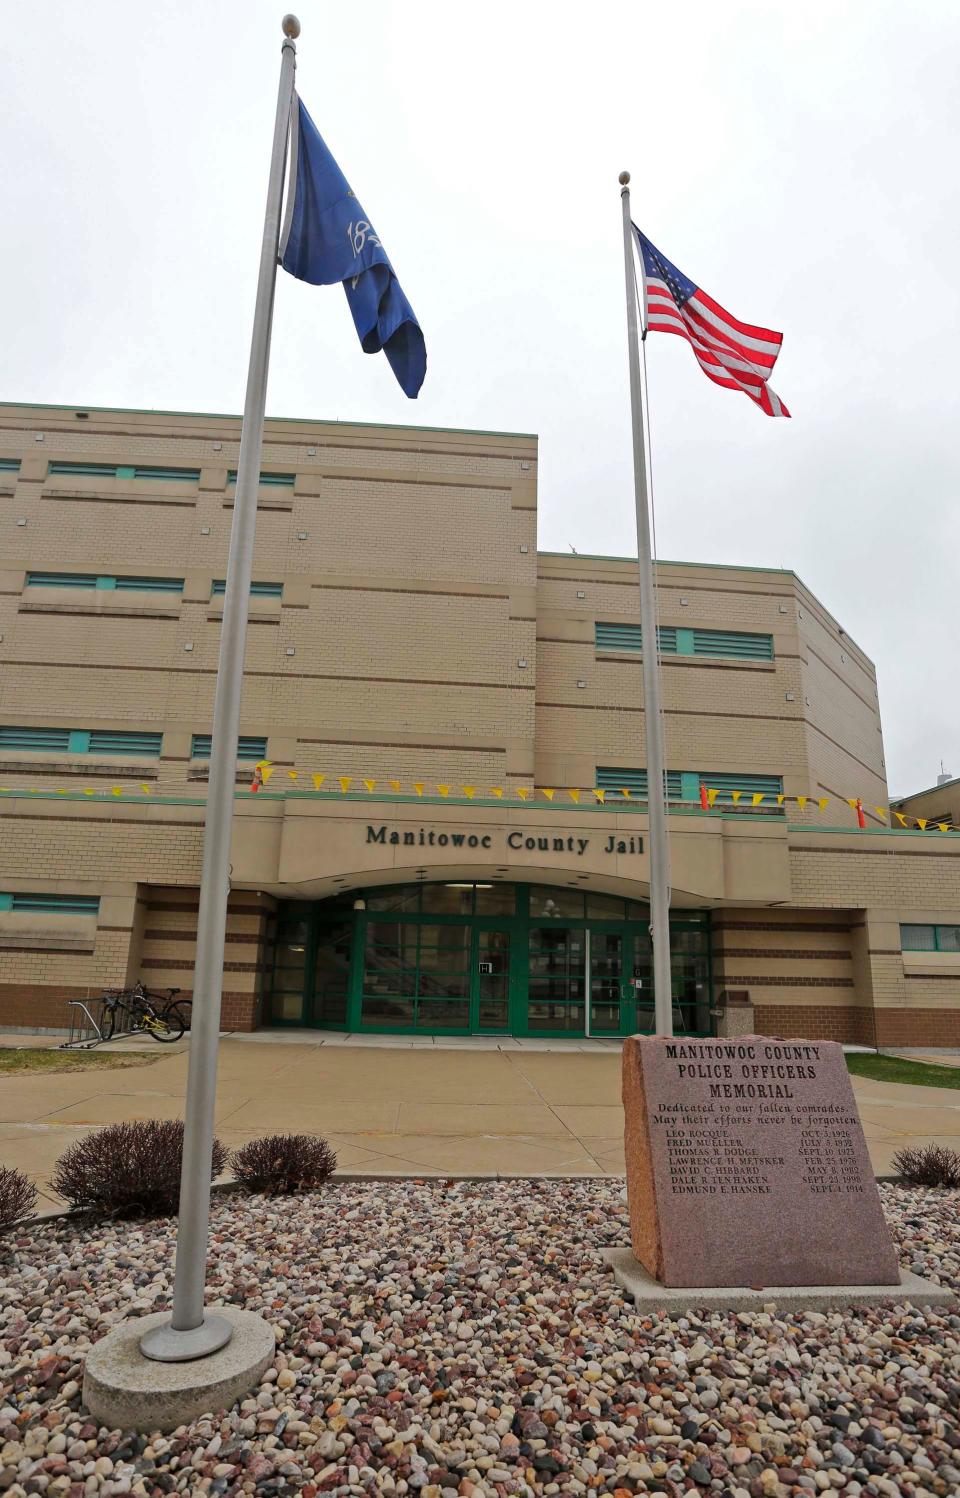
86, 1028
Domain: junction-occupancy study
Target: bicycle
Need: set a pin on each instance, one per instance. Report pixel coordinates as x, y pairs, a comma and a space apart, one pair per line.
166, 1003
145, 1017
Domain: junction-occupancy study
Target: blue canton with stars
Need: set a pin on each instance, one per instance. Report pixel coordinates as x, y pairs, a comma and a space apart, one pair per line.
658, 265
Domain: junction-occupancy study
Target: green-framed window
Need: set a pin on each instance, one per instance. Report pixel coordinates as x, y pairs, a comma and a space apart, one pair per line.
249, 746
616, 779
127, 471
136, 742
933, 938
748, 785
9, 465
268, 480
104, 582
720, 643
620, 636
55, 904
257, 590
732, 643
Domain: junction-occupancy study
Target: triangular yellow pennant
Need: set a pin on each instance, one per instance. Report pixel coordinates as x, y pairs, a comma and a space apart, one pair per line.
370, 785
824, 801
394, 785
317, 781
469, 791
852, 802
266, 772
345, 782
922, 823
881, 811
575, 796
900, 818
625, 793
444, 790
757, 797
548, 792
522, 792
144, 787
89, 793
944, 826
801, 802
601, 795
780, 799
497, 790
735, 796
418, 787
712, 796
117, 790
293, 774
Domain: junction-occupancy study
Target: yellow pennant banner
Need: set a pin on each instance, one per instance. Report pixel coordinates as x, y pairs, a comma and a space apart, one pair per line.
711, 798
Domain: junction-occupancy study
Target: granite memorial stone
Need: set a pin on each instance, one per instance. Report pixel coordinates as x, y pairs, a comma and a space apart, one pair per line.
747, 1165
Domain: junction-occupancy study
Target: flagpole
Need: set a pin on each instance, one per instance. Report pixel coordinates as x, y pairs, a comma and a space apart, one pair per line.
652, 695
190, 1333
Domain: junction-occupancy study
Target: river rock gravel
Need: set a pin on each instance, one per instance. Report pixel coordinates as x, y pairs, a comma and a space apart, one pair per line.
442, 1339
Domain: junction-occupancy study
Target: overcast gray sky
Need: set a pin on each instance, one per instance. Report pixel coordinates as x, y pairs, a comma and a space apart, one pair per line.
797, 161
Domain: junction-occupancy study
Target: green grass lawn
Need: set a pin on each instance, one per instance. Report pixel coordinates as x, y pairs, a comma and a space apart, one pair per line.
898, 1069
51, 1060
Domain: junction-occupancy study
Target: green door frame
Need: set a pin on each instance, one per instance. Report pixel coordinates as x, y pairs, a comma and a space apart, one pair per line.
518, 927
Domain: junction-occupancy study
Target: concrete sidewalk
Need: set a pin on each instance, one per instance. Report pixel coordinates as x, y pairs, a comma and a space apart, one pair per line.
417, 1111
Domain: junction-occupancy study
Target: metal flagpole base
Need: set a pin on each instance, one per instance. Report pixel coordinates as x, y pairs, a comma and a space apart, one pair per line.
145, 1376
166, 1345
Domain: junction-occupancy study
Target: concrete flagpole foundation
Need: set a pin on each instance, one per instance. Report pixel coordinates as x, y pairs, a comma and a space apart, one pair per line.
652, 698
139, 1365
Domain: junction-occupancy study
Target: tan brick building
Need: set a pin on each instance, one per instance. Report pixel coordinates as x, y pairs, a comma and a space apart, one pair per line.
481, 866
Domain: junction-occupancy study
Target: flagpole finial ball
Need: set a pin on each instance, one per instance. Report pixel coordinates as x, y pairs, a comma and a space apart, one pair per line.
291, 27
624, 178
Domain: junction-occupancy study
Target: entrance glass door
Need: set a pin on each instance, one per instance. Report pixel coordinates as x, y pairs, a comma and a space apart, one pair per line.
556, 982
609, 989
490, 1007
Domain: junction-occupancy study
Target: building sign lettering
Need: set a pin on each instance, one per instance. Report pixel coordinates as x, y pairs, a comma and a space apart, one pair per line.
430, 837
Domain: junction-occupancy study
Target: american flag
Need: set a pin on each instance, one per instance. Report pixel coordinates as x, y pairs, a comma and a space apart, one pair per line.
731, 353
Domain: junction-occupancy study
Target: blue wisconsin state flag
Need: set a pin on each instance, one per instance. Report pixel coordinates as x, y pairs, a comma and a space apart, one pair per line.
327, 237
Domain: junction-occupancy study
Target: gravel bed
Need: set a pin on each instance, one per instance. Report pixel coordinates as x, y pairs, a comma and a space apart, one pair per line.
444, 1339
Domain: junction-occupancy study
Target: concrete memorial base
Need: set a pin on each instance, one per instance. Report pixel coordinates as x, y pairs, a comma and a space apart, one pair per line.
126, 1391
648, 1294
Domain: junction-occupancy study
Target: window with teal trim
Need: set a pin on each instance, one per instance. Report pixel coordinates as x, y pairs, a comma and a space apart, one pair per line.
732, 643
249, 746
916, 938
34, 740
127, 471
54, 904
616, 780
108, 741
257, 590
277, 480
750, 785
81, 741
630, 637
104, 583
9, 465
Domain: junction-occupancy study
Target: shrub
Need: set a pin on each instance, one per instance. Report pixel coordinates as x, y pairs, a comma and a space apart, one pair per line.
928, 1165
282, 1163
128, 1169
18, 1197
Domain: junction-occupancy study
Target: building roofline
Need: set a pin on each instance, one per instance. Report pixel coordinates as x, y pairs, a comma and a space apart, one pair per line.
389, 426
585, 556
927, 791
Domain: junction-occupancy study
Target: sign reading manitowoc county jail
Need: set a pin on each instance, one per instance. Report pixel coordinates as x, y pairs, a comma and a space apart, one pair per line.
747, 1165
436, 837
